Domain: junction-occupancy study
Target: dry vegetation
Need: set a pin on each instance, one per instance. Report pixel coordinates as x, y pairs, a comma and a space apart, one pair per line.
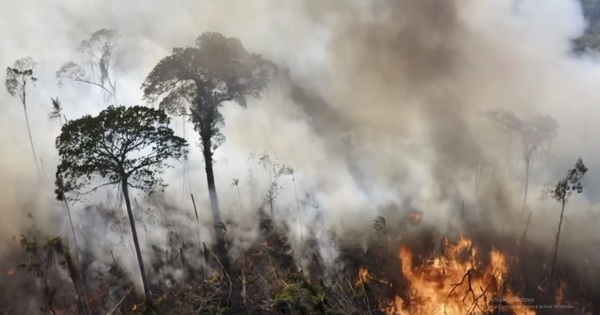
404, 270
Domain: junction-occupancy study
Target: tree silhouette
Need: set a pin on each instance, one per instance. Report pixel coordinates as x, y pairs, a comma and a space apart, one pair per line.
533, 133
56, 113
97, 54
561, 193
589, 40
217, 70
127, 146
17, 78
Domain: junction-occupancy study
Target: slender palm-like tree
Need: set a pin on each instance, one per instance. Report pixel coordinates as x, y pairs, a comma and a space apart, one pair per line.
56, 113
16, 81
566, 187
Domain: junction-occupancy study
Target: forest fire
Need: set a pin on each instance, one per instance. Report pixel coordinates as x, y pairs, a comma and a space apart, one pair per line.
349, 217
454, 283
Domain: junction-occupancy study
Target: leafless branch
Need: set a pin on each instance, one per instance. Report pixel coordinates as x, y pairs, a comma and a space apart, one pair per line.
468, 277
224, 272
98, 187
120, 302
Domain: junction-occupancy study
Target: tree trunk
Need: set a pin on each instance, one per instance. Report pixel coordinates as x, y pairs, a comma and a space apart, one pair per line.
75, 277
214, 201
526, 227
562, 211
76, 255
478, 176
527, 170
24, 99
136, 243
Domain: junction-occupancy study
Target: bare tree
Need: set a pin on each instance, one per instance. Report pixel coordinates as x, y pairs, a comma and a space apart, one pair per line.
561, 193
217, 70
97, 53
17, 78
534, 133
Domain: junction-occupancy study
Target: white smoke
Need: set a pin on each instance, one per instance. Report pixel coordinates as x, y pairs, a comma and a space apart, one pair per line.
405, 80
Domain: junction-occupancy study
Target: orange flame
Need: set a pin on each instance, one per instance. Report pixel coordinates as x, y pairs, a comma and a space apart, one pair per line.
363, 276
450, 285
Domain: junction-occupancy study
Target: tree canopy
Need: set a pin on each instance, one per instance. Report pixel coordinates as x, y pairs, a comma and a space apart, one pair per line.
16, 81
534, 132
17, 76
590, 39
571, 183
106, 145
97, 53
218, 69
196, 81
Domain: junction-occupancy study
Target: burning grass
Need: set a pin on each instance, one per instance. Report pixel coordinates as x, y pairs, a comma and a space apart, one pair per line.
459, 277
420, 273
451, 284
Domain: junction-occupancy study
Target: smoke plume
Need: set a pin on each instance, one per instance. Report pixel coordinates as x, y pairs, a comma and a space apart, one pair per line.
377, 108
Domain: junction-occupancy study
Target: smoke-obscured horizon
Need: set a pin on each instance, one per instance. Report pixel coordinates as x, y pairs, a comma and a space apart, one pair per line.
379, 108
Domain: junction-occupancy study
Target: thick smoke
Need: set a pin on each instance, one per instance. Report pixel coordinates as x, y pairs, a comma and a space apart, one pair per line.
377, 109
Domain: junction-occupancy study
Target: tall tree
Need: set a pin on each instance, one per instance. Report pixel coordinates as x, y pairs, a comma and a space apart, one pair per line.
97, 53
128, 146
561, 193
534, 133
56, 113
17, 78
217, 70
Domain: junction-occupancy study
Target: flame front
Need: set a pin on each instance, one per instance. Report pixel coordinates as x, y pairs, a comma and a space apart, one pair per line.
450, 285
